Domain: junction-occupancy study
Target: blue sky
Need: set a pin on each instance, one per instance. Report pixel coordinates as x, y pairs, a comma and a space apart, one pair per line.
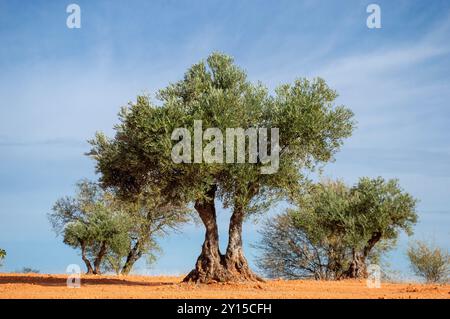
58, 86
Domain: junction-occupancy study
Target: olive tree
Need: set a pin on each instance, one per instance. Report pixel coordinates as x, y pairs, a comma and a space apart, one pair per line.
112, 234
379, 211
139, 158
90, 223
336, 229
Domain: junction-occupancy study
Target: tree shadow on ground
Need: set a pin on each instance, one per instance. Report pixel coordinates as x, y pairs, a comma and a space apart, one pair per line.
48, 280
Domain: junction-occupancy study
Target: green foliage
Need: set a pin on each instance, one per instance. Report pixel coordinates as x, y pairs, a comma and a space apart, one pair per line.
334, 225
428, 262
216, 91
149, 217
106, 229
355, 214
91, 222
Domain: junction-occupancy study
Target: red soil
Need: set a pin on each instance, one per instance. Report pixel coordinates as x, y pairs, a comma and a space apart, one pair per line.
54, 286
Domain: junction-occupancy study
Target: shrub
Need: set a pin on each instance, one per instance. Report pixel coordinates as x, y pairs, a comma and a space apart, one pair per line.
429, 262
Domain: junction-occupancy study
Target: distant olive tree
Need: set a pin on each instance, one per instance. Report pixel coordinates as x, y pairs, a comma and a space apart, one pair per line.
2, 256
90, 222
336, 230
428, 262
112, 233
28, 270
150, 216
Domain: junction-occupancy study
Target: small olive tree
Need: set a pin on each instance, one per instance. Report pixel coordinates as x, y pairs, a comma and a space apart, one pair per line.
112, 233
2, 256
90, 222
336, 229
429, 262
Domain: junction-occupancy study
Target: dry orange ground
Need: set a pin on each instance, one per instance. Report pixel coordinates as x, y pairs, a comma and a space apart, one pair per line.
54, 286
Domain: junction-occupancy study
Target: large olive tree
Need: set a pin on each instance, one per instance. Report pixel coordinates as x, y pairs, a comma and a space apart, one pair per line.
140, 156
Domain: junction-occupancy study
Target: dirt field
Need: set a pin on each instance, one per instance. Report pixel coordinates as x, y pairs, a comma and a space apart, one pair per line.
54, 286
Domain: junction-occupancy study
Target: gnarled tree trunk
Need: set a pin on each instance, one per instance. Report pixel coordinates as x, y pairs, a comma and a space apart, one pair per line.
358, 267
210, 264
133, 256
99, 258
235, 262
90, 270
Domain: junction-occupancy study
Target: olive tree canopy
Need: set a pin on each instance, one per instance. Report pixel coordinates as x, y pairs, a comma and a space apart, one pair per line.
138, 159
336, 229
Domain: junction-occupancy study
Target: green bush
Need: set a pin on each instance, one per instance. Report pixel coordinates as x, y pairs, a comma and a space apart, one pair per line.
429, 262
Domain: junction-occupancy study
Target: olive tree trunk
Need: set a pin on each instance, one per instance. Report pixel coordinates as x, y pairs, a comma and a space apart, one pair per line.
210, 264
89, 268
98, 260
358, 267
134, 255
235, 262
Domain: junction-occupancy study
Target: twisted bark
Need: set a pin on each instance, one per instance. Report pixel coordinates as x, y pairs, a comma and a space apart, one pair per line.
235, 262
99, 258
211, 265
358, 267
90, 270
133, 256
